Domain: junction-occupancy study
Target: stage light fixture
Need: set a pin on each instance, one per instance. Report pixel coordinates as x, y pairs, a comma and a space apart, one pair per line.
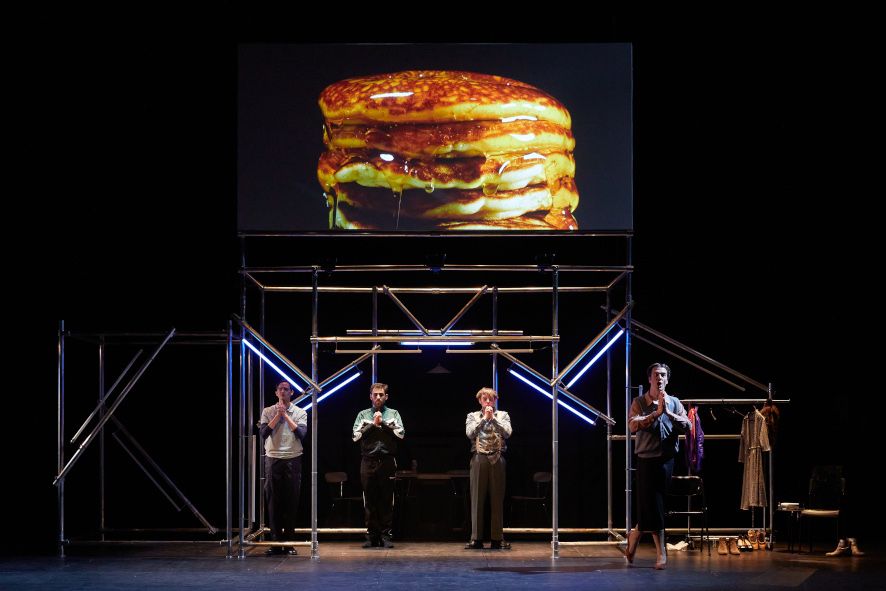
435, 261
596, 357
292, 382
334, 389
537, 387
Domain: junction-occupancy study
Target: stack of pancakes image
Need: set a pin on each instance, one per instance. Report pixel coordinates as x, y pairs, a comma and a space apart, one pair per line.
442, 150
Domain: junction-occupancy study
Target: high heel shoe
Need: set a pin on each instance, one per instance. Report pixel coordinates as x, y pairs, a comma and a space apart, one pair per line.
853, 545
752, 539
842, 549
633, 542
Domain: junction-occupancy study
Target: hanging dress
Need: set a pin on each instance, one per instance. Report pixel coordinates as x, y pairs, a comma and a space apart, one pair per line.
754, 441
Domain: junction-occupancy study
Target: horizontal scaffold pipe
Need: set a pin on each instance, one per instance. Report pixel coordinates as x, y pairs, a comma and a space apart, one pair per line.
429, 290
425, 268
438, 338
707, 437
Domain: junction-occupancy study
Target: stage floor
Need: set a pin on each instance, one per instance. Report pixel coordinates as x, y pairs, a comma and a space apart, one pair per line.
434, 566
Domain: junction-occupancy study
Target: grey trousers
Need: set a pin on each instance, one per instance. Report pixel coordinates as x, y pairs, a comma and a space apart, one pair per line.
487, 478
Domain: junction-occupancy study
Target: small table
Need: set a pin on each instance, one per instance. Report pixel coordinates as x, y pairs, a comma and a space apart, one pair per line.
435, 502
792, 514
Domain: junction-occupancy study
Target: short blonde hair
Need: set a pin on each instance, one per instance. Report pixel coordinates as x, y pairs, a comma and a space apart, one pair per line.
487, 391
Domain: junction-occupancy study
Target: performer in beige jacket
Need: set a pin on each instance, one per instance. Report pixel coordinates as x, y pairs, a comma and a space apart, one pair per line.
488, 430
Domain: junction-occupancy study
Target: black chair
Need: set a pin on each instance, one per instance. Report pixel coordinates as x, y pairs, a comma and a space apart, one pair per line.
691, 489
406, 501
542, 482
827, 488
336, 481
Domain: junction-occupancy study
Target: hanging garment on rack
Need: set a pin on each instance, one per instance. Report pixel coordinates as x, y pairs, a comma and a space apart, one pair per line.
771, 412
754, 441
694, 442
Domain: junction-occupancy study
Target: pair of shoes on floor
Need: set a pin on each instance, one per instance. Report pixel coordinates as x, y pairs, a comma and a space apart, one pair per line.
847, 547
744, 544
500, 545
757, 538
474, 545
679, 546
727, 546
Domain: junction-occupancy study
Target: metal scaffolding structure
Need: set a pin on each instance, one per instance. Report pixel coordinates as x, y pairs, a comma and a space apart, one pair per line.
488, 340
613, 282
104, 413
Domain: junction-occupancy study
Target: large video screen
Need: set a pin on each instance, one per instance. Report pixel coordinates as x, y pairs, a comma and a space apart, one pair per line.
428, 138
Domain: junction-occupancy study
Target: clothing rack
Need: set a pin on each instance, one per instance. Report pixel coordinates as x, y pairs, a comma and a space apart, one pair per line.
751, 402
710, 366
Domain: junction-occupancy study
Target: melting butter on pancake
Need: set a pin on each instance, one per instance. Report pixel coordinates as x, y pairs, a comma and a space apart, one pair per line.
458, 204
432, 96
552, 220
433, 150
356, 219
453, 140
506, 172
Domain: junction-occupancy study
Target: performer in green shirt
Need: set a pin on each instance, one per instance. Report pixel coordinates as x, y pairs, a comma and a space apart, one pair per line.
378, 429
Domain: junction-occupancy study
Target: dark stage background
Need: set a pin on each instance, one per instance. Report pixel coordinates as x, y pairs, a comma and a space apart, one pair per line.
747, 248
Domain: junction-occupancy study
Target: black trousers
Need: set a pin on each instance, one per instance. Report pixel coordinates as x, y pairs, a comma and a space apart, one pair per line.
487, 478
282, 486
653, 479
376, 476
